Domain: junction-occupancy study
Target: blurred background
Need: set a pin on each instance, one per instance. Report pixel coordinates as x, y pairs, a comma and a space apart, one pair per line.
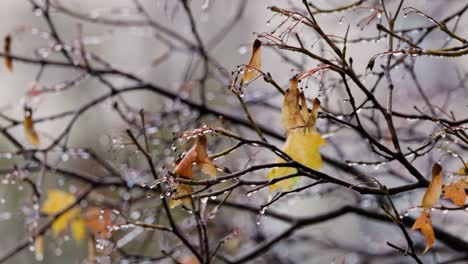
140, 50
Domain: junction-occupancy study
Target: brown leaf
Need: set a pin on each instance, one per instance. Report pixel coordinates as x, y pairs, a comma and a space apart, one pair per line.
255, 62
184, 168
29, 131
434, 190
294, 113
6, 50
424, 224
98, 221
455, 191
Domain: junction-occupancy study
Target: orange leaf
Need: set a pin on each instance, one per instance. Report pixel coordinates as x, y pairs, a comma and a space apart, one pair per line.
189, 260
434, 190
255, 62
424, 224
456, 192
6, 50
29, 131
98, 220
184, 168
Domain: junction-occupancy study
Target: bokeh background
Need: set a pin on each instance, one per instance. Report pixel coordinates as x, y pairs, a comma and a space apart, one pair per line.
134, 49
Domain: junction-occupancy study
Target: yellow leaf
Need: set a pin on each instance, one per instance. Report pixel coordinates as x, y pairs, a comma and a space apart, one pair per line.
434, 190
182, 189
29, 131
303, 142
78, 229
303, 146
424, 224
255, 62
463, 170
6, 50
456, 192
56, 202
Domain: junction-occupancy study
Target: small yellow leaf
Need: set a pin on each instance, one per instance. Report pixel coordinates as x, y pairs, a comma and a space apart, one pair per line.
255, 62
302, 146
424, 224
456, 192
6, 50
56, 202
434, 190
29, 131
78, 229
463, 170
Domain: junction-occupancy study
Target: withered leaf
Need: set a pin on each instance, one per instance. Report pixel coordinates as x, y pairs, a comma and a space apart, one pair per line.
98, 221
29, 131
424, 224
294, 113
250, 72
303, 142
434, 190
456, 192
184, 168
6, 50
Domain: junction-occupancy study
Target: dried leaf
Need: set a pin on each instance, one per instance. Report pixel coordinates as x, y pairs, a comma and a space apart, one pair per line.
56, 202
6, 50
303, 146
29, 131
197, 154
294, 113
434, 190
250, 72
303, 142
291, 115
424, 224
456, 192
98, 221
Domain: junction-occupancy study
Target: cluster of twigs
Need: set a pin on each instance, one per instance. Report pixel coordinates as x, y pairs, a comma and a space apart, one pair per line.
368, 127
